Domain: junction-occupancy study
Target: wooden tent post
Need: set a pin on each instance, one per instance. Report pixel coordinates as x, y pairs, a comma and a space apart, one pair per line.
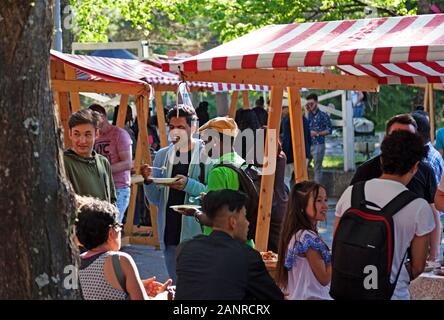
348, 135
426, 98
431, 113
62, 99
233, 105
297, 134
246, 102
70, 74
137, 163
161, 119
146, 158
142, 156
267, 182
121, 115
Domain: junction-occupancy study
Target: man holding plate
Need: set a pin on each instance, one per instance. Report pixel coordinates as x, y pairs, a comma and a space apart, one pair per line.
181, 160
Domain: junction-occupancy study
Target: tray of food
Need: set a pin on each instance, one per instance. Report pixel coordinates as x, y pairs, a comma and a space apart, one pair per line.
269, 257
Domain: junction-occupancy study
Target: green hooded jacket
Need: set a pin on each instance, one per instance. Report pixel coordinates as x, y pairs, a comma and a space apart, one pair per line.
90, 176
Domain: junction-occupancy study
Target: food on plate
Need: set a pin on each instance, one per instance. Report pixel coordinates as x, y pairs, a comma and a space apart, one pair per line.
269, 256
182, 207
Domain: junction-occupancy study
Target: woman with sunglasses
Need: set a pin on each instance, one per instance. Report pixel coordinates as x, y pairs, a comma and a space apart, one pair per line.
105, 273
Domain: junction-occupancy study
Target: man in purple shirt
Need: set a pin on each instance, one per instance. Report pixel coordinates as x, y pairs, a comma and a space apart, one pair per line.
115, 144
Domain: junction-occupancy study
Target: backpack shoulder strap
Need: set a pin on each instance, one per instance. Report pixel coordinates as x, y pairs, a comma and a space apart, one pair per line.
118, 271
231, 166
358, 195
399, 202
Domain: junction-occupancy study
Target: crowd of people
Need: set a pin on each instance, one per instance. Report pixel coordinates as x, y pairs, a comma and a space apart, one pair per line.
387, 218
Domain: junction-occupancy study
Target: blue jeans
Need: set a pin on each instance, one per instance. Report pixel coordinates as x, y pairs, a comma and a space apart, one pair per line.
170, 262
289, 169
318, 152
123, 198
358, 111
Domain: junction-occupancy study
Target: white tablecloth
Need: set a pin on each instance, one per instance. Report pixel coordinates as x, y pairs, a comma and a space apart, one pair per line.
427, 286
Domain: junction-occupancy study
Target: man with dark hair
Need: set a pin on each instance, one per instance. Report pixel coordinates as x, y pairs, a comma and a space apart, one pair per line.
180, 160
261, 113
401, 153
220, 266
115, 144
89, 172
423, 182
320, 126
434, 159
202, 112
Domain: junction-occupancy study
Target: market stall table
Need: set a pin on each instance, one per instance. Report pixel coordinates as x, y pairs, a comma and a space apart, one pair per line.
428, 286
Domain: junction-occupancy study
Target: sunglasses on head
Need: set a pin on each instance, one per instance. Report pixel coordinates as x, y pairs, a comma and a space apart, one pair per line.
116, 224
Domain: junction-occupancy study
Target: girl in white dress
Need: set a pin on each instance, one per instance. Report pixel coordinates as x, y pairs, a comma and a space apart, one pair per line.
304, 265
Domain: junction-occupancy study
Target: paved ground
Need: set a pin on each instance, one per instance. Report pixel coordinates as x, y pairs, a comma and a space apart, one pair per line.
149, 261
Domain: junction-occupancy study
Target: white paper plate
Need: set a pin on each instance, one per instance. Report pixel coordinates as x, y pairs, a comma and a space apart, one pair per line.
184, 206
136, 179
164, 180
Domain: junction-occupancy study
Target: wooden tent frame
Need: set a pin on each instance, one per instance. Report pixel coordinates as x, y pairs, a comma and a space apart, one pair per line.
294, 81
66, 91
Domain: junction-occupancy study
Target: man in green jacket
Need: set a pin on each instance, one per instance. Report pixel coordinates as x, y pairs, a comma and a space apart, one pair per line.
218, 135
89, 172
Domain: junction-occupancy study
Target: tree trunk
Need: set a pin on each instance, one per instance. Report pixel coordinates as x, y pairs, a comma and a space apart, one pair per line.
36, 205
67, 25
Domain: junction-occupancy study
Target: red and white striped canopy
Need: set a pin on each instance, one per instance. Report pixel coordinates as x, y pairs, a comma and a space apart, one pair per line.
134, 71
406, 49
224, 87
121, 70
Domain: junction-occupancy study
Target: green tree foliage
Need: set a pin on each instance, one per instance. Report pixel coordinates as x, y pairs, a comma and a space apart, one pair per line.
233, 18
93, 18
227, 19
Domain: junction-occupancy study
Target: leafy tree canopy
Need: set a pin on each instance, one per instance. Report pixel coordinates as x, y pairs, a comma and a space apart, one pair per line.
223, 19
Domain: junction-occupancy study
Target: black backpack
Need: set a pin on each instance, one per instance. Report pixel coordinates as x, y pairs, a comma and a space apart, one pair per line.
250, 184
365, 237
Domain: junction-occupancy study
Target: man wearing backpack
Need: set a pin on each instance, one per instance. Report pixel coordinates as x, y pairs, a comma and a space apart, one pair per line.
423, 182
382, 230
230, 170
